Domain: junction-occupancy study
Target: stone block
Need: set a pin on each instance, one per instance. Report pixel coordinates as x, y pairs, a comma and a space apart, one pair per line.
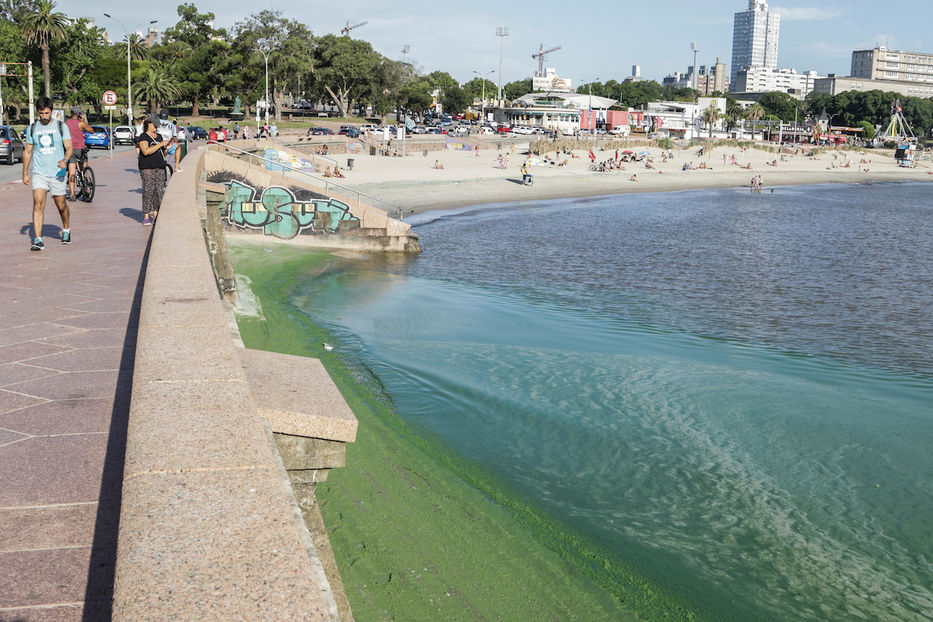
299, 452
296, 395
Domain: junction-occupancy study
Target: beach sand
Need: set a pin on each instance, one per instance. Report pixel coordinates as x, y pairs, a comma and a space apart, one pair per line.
416, 186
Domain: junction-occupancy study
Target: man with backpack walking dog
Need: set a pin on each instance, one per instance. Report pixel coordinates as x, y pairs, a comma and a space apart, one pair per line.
48, 149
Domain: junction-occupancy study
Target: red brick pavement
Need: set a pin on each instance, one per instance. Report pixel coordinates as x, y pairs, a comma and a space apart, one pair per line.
68, 318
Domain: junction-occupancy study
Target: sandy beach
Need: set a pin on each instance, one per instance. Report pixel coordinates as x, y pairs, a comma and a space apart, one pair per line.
469, 179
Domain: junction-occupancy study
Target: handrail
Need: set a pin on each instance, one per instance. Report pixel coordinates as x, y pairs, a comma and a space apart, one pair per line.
327, 183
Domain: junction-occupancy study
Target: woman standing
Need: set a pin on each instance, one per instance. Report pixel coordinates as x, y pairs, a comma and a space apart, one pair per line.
152, 170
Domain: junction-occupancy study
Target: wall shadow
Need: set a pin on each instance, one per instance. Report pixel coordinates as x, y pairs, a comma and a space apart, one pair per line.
98, 596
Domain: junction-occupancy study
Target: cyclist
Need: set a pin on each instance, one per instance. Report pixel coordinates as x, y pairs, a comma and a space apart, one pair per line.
77, 126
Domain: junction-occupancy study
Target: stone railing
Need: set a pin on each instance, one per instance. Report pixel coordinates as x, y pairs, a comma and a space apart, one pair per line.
210, 526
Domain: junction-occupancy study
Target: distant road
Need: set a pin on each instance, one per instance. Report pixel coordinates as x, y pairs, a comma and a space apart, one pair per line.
15, 173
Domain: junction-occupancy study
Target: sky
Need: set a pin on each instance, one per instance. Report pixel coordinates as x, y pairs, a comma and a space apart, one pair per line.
599, 40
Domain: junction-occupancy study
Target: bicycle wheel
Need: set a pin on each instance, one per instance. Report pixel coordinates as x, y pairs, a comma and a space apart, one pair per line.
89, 185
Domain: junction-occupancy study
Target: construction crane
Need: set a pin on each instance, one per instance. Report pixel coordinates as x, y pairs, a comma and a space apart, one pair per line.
346, 29
540, 56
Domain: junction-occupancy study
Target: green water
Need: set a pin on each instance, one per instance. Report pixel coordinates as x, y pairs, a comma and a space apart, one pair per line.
719, 405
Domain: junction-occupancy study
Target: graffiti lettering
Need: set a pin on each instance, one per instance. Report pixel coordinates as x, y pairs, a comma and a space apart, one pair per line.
279, 214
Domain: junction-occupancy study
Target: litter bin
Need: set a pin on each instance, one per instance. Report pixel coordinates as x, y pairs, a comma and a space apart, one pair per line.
350, 163
372, 150
183, 145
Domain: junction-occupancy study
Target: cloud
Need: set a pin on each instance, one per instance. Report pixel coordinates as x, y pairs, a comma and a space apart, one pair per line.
803, 13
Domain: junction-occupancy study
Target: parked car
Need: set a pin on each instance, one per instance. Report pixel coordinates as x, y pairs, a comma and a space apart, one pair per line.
11, 147
486, 130
319, 131
99, 137
123, 135
349, 131
419, 129
303, 104
368, 128
196, 132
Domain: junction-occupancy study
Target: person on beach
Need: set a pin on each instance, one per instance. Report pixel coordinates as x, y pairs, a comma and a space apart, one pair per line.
437, 165
152, 149
48, 163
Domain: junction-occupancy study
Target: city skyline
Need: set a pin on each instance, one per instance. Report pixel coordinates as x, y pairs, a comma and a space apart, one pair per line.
598, 41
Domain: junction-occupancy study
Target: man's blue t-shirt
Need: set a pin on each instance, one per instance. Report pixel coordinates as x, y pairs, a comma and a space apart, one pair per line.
49, 148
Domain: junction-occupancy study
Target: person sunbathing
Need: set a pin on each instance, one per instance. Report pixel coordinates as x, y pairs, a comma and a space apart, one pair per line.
328, 173
337, 172
437, 165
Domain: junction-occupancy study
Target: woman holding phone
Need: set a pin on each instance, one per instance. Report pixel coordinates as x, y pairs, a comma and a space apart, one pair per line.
152, 169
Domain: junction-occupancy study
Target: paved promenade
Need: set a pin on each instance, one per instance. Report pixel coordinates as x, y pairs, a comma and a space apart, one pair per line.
68, 321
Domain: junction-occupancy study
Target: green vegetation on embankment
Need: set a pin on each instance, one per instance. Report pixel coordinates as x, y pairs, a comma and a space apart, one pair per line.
420, 534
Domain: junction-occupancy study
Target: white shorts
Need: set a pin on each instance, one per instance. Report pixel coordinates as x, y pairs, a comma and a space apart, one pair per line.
56, 186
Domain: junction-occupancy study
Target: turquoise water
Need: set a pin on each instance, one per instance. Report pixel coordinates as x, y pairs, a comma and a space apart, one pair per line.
694, 381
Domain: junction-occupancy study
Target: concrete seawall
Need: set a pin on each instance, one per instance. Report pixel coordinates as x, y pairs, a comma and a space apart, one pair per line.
210, 527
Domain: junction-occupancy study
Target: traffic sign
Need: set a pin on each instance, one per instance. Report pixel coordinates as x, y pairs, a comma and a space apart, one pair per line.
110, 107
109, 98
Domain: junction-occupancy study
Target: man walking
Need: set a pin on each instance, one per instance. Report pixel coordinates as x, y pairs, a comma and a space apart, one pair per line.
48, 149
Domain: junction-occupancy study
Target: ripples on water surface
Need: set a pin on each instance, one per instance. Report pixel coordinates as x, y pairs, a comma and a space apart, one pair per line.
730, 391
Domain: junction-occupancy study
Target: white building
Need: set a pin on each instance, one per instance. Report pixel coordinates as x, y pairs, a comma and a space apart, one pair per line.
755, 36
762, 80
683, 119
551, 111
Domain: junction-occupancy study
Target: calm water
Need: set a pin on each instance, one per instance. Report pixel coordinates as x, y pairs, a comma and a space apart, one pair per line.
733, 392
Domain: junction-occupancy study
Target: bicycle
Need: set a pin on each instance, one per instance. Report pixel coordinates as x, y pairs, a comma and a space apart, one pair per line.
85, 183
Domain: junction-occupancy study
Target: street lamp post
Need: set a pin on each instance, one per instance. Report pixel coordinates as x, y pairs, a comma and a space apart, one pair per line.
482, 76
501, 32
265, 57
129, 79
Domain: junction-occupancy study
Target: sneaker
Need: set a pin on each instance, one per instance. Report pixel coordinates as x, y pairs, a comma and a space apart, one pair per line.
146, 221
66, 237
37, 245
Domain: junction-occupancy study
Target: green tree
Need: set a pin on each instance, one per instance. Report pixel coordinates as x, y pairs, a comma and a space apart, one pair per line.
41, 27
13, 49
475, 88
288, 44
76, 56
156, 87
514, 90
345, 69
16, 10
454, 100
710, 116
778, 104
753, 114
868, 130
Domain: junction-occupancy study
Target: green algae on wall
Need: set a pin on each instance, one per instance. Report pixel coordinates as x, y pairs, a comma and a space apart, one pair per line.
420, 534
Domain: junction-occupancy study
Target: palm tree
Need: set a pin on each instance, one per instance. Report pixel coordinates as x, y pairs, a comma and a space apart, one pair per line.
710, 116
754, 113
138, 50
156, 87
40, 28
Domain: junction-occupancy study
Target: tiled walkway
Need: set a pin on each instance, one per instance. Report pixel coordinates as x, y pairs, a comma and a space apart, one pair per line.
68, 318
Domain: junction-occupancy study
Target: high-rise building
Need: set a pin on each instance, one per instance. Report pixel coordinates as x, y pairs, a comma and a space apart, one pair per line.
755, 35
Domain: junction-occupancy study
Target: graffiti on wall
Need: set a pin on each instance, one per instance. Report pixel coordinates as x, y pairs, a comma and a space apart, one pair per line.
278, 213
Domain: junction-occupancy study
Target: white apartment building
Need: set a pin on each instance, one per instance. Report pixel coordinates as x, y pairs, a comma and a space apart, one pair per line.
755, 36
881, 63
763, 80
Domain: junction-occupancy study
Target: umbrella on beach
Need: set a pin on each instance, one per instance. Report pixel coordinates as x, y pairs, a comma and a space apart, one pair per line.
645, 153
628, 152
